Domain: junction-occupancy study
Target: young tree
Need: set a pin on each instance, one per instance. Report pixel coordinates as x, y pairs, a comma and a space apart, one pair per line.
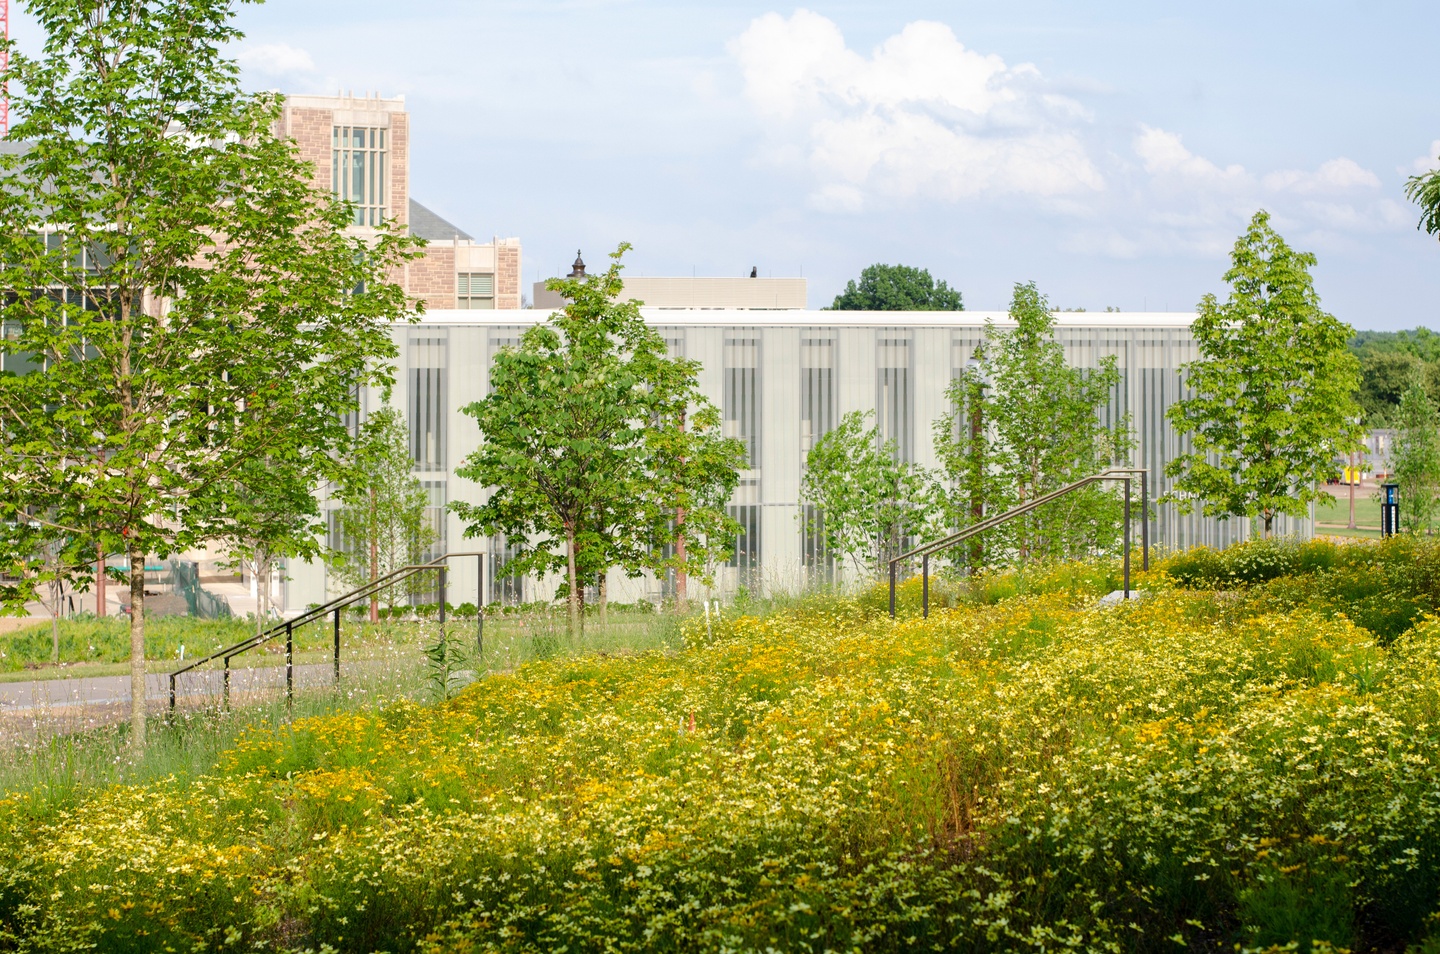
186, 302
897, 288
270, 515
1416, 458
1272, 407
1023, 423
871, 504
383, 523
582, 446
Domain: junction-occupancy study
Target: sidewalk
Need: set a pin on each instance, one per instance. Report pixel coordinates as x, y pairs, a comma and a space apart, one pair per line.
16, 697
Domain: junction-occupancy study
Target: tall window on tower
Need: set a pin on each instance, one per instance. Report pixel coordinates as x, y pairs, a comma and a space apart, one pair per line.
359, 160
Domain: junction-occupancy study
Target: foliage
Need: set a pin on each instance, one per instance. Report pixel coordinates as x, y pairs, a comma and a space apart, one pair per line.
383, 521
1424, 191
1415, 458
1272, 405
598, 447
1024, 423
897, 288
187, 305
1036, 774
1386, 586
1384, 378
107, 640
872, 505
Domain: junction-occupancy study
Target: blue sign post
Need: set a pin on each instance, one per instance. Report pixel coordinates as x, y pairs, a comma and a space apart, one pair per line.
1389, 510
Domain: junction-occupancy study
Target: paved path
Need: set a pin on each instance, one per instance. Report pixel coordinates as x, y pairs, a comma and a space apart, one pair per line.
109, 690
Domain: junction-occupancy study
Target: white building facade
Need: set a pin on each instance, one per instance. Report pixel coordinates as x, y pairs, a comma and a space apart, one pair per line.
782, 378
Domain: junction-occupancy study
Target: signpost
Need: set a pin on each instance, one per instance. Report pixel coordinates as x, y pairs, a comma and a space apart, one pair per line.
1389, 510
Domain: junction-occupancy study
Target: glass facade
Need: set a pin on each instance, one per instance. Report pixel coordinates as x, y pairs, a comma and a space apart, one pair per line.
427, 407
359, 171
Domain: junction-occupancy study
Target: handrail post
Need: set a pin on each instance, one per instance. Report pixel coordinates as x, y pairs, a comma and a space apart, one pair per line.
337, 647
892, 589
925, 586
290, 666
1145, 520
225, 698
441, 573
172, 694
1127, 538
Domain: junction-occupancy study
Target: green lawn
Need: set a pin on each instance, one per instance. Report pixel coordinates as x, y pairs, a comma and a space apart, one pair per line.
100, 647
1367, 510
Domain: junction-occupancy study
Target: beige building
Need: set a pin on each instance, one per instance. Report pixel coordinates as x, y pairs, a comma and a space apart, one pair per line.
360, 148
753, 293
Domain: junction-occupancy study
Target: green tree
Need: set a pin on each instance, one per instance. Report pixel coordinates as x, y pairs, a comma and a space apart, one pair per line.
1384, 378
1424, 191
1415, 459
1024, 423
1272, 407
897, 288
186, 302
382, 519
871, 505
597, 447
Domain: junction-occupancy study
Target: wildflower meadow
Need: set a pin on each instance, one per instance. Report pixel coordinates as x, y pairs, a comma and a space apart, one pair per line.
1227, 763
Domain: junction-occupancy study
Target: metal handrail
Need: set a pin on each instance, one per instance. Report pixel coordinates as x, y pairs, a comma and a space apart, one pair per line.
288, 627
1123, 474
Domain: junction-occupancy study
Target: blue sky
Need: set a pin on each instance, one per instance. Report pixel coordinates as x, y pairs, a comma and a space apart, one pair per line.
1110, 152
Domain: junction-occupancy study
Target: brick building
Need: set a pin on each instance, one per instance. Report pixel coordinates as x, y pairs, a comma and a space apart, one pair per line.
360, 148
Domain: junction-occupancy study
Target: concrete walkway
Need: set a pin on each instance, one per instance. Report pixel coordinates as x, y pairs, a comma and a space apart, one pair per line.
203, 683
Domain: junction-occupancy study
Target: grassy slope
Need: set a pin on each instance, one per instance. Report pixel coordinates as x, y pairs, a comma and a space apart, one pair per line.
997, 777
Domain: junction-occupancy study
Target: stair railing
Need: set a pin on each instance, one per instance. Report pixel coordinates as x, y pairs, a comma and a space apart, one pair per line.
335, 606
1122, 474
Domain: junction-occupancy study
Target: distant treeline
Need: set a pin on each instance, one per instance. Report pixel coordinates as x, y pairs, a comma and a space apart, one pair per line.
1389, 360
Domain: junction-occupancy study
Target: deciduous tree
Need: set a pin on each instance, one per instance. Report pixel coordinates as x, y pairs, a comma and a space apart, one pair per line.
382, 520
1272, 407
582, 449
1024, 423
1415, 458
870, 504
187, 303
897, 288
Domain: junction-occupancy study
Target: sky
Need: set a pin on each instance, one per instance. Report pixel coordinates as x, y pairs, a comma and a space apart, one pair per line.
1110, 152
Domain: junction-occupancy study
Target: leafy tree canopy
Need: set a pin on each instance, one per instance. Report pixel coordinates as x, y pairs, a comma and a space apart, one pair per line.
1273, 388
1025, 423
1424, 191
871, 505
897, 288
186, 303
597, 448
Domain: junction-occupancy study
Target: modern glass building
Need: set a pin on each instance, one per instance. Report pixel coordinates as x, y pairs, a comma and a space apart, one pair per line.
783, 378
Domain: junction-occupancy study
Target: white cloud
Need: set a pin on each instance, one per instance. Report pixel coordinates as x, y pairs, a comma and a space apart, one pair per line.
1335, 175
1427, 162
275, 59
921, 116
1165, 156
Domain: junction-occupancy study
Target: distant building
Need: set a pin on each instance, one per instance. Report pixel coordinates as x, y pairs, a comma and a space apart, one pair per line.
360, 147
782, 379
753, 293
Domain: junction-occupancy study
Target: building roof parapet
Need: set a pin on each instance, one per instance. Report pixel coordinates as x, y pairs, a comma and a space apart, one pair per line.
809, 318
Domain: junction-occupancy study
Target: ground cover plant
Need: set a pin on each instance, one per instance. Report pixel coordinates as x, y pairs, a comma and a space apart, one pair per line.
1198, 770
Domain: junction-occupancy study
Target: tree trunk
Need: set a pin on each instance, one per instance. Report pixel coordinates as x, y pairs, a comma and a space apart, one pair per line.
100, 581
602, 580
137, 648
374, 559
55, 624
573, 578
681, 578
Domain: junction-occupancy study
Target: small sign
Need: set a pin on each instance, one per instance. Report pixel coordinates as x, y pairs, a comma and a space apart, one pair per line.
1389, 510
